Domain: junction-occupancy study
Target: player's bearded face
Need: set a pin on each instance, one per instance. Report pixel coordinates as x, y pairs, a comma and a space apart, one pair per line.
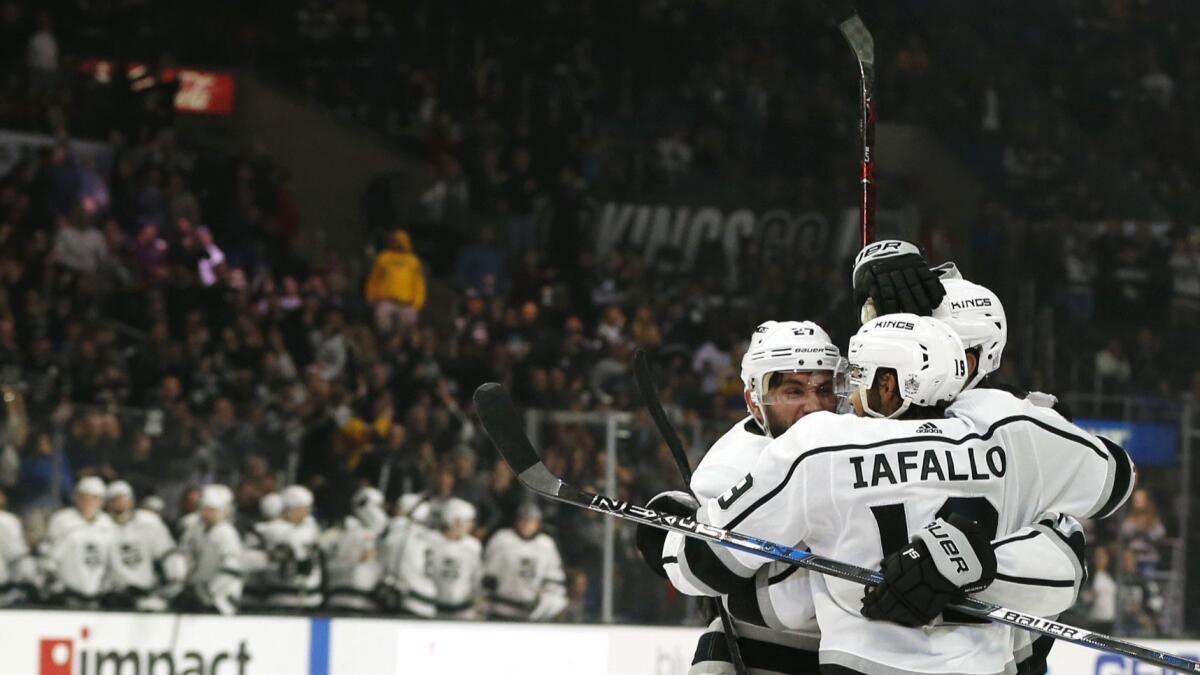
794, 395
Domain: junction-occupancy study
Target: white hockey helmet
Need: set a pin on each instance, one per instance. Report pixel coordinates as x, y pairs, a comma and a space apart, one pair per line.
368, 508
297, 497
976, 314
414, 506
118, 488
368, 496
270, 506
216, 496
789, 347
153, 503
91, 486
926, 354
457, 510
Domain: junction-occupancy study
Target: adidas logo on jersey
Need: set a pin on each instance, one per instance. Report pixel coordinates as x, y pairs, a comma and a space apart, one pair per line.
928, 428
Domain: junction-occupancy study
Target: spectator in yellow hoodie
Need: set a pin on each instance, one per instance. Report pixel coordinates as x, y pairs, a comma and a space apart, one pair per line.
396, 287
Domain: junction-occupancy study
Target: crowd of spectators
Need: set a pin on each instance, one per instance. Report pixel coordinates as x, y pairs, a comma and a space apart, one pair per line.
156, 324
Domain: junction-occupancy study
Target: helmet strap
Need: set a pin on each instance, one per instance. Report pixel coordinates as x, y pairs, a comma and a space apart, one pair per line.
758, 394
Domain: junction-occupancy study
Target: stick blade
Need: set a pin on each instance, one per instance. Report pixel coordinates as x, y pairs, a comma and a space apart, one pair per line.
505, 427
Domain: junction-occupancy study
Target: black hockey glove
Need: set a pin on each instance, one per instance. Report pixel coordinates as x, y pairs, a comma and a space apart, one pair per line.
945, 561
650, 540
893, 276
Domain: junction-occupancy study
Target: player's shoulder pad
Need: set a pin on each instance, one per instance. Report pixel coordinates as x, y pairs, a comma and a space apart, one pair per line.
503, 537
992, 403
10, 521
728, 456
224, 532
64, 517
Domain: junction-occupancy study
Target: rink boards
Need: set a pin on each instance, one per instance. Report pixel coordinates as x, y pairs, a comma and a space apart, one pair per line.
77, 643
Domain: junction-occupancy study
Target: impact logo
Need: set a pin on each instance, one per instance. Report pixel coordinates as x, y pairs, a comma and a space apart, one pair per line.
67, 656
57, 656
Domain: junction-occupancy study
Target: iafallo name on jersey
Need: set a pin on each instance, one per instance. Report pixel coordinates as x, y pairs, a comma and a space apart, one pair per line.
929, 464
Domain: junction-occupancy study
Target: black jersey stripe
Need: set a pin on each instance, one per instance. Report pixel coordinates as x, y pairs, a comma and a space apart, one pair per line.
743, 605
702, 560
792, 569
1122, 482
1029, 581
1015, 538
758, 655
909, 439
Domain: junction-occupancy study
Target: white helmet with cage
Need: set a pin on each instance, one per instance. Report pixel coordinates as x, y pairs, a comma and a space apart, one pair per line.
789, 347
977, 316
925, 353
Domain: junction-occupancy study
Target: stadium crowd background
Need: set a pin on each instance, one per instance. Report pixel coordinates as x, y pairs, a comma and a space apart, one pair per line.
158, 324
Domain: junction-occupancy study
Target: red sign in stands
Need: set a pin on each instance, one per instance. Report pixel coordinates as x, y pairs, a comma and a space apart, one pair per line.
205, 92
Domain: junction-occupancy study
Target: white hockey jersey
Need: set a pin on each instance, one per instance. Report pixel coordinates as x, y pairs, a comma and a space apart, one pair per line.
214, 556
855, 489
353, 567
292, 566
456, 567
767, 646
143, 544
1038, 572
78, 555
18, 571
523, 577
407, 556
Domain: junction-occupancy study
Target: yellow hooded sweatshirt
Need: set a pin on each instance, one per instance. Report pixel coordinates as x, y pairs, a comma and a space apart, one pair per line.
397, 274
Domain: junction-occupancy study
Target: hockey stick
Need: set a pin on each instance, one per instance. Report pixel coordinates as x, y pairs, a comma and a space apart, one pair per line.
644, 379
645, 384
860, 40
503, 426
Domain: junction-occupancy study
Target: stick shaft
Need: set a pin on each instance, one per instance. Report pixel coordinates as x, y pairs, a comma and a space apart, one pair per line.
863, 45
1035, 624
502, 424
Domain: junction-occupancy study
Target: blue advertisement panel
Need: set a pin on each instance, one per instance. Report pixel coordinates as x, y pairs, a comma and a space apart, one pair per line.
1148, 444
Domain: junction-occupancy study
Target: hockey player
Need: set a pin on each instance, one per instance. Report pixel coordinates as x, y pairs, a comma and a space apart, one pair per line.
270, 506
456, 562
214, 553
147, 569
18, 569
522, 571
256, 581
405, 548
854, 488
790, 369
353, 568
288, 555
977, 315
78, 549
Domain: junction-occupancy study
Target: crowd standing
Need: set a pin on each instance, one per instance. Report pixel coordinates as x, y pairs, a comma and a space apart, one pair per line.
159, 330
